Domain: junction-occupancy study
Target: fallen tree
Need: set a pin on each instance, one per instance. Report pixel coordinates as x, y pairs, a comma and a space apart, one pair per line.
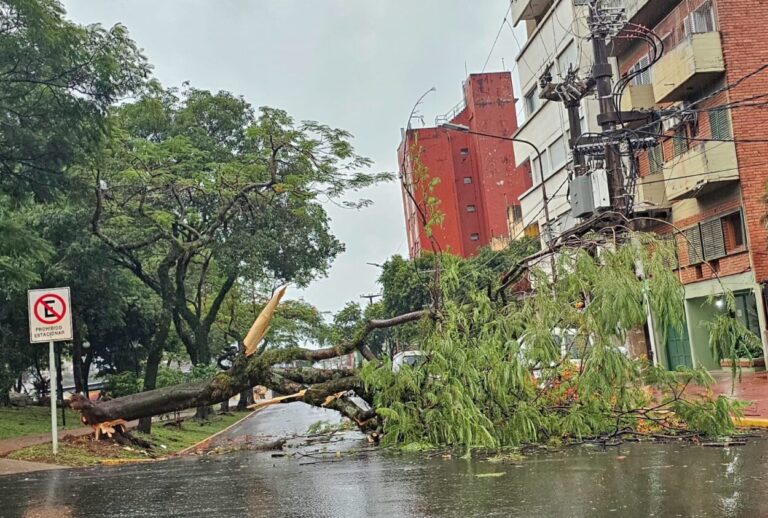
547, 366
248, 371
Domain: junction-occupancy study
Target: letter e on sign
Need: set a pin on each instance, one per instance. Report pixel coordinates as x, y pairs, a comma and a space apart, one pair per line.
50, 315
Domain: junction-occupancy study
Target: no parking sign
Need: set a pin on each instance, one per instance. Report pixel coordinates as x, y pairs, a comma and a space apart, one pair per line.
50, 315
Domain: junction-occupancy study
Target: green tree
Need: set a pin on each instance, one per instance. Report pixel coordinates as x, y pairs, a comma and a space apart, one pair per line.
57, 80
547, 366
202, 194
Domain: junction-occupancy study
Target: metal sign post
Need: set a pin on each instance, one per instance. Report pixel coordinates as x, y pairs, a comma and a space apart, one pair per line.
52, 396
50, 320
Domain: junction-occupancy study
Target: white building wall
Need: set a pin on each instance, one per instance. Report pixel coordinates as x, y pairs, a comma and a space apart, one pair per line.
559, 40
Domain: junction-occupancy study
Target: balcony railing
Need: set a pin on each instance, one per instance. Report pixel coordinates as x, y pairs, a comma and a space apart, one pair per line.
638, 97
651, 193
700, 170
688, 67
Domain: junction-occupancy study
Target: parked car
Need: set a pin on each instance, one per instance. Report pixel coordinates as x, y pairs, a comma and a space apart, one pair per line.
412, 358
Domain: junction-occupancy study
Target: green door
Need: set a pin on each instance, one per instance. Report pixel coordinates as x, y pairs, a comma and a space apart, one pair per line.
678, 348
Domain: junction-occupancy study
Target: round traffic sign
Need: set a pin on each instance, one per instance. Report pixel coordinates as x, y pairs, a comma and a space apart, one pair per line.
50, 308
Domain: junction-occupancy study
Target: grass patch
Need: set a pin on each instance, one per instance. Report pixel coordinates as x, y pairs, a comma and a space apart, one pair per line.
191, 432
76, 451
84, 451
32, 420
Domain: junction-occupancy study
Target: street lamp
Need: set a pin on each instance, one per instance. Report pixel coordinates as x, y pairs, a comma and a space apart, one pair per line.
466, 129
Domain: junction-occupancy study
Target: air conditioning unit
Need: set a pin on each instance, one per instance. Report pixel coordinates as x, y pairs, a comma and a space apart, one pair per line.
671, 123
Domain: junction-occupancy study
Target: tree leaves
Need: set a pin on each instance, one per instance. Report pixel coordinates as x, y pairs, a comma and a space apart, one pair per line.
548, 366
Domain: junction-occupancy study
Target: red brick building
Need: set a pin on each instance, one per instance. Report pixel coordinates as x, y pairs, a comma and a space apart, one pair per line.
711, 166
472, 179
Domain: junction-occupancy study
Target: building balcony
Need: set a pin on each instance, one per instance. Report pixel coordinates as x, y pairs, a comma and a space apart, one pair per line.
528, 9
700, 170
681, 71
638, 97
647, 13
651, 193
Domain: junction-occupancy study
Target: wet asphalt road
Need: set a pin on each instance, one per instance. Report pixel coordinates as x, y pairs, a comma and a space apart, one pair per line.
632, 480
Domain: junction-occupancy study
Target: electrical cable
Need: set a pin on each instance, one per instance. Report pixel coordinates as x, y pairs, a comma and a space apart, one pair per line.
496, 40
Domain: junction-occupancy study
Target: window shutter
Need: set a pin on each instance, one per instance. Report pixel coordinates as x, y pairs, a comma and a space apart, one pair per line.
680, 140
688, 25
712, 239
693, 239
720, 126
656, 159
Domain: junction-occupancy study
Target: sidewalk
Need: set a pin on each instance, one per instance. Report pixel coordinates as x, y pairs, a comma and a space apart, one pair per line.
16, 443
11, 467
753, 387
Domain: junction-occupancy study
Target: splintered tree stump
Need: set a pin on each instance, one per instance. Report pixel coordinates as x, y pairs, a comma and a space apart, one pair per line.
109, 429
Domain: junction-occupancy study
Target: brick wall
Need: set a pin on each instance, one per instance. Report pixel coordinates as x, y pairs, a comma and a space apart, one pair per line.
745, 48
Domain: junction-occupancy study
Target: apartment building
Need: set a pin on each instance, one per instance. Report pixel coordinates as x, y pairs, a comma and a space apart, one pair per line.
706, 178
710, 168
556, 41
467, 184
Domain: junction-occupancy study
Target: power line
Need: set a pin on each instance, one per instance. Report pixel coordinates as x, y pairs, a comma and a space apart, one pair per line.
667, 180
496, 40
707, 97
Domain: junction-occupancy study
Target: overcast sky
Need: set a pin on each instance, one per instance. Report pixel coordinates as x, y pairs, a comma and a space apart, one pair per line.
354, 64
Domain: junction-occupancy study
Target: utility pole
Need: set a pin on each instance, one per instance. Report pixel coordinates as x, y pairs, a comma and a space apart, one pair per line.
602, 74
603, 24
370, 297
570, 92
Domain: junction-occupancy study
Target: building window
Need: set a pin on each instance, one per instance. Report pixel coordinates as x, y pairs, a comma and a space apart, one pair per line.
474, 236
531, 101
467, 179
558, 153
471, 208
537, 170
716, 238
733, 230
720, 124
644, 77
464, 151
712, 239
692, 238
700, 20
680, 140
656, 159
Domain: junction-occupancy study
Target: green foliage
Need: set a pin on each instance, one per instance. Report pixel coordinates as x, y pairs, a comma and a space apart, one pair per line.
57, 80
202, 372
123, 384
167, 377
730, 338
204, 195
409, 285
548, 365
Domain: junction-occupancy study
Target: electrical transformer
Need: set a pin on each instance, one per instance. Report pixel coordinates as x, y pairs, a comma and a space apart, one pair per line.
582, 201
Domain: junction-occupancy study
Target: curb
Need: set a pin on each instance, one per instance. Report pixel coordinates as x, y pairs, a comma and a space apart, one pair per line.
194, 447
751, 422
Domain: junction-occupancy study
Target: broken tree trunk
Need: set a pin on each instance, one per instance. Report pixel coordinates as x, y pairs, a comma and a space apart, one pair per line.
245, 373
